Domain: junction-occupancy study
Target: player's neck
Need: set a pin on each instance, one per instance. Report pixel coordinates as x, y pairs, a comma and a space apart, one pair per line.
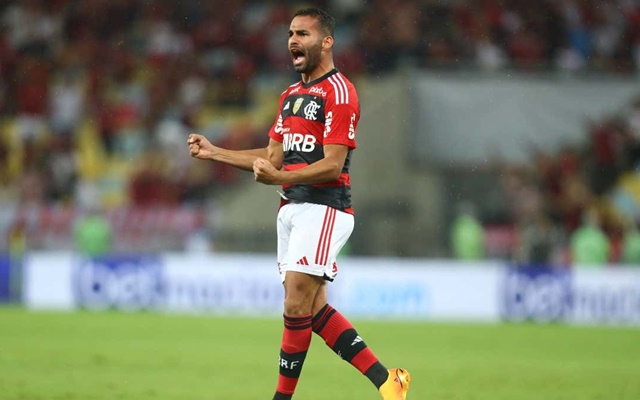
320, 71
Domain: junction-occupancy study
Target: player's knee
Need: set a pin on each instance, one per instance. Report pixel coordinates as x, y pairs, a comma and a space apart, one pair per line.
295, 306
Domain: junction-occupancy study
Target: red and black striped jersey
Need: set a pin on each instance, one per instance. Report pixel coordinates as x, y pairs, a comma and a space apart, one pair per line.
314, 114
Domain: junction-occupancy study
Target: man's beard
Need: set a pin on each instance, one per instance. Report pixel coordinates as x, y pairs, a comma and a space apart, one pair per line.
312, 59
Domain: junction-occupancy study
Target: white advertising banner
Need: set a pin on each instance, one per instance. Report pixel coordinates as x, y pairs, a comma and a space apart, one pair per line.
606, 297
239, 284
418, 289
380, 288
47, 281
250, 285
609, 295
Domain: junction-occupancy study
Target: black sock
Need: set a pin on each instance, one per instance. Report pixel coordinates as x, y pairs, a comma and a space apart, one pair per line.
377, 374
280, 396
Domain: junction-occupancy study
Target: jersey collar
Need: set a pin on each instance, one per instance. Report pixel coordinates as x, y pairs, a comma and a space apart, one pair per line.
323, 77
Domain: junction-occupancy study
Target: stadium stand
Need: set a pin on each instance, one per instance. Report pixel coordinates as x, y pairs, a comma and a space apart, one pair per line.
96, 96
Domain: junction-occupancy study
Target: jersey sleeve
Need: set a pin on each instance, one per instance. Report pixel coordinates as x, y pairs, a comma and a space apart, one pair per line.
341, 123
275, 132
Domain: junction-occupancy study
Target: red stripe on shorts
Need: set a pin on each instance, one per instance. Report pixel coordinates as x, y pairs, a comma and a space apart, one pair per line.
325, 236
322, 234
325, 257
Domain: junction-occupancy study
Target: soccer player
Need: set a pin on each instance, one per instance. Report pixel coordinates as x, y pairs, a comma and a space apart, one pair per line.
309, 154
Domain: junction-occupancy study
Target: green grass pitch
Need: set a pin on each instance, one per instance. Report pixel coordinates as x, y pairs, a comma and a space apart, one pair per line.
146, 356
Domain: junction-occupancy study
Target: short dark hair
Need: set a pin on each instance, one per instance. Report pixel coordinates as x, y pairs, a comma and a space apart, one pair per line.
326, 21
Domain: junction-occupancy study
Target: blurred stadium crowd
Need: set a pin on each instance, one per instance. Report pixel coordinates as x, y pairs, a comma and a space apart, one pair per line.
96, 97
582, 193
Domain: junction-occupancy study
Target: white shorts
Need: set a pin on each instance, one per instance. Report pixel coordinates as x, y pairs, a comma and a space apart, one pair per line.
310, 236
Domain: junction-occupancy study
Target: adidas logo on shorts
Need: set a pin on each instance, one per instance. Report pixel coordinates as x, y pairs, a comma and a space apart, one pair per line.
303, 261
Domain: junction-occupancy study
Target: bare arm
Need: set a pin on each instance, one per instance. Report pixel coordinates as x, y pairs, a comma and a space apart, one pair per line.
200, 147
326, 170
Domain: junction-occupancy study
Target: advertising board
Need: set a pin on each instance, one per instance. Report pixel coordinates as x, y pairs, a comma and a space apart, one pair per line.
250, 285
418, 289
5, 279
578, 296
380, 288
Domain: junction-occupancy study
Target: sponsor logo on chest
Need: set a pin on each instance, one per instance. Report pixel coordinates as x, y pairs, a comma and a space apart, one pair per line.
318, 90
298, 142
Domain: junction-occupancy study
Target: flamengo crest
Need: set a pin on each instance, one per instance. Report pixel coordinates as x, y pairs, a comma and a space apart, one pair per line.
311, 110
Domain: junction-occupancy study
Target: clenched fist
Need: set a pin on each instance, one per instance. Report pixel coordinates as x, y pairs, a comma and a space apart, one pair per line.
200, 147
265, 172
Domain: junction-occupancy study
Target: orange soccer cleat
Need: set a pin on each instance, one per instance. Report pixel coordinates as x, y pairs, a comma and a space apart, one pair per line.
397, 384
